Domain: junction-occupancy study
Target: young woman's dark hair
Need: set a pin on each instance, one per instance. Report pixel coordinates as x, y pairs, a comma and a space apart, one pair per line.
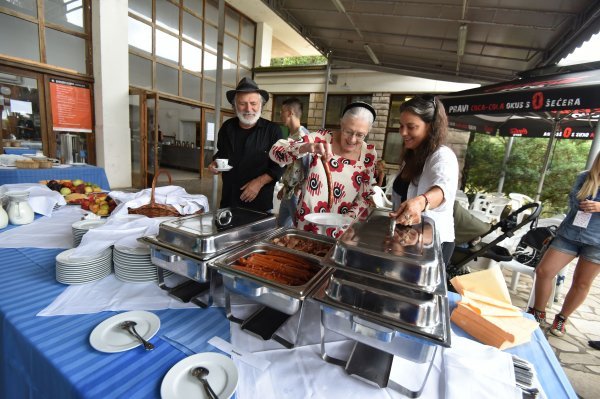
430, 110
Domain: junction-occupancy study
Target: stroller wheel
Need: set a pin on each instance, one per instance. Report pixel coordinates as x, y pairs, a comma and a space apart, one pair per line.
452, 271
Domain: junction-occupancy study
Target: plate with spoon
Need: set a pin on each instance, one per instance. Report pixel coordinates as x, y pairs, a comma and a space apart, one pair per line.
125, 331
204, 375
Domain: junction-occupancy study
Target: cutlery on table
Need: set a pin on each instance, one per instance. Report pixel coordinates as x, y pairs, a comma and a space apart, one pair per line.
201, 373
130, 327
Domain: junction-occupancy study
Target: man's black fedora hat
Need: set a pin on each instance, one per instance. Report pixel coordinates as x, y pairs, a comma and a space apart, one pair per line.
246, 85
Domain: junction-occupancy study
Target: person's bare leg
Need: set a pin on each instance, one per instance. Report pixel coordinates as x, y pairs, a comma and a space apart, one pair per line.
552, 262
583, 277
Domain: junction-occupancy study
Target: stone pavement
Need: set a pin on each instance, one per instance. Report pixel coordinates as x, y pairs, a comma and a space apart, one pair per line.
580, 362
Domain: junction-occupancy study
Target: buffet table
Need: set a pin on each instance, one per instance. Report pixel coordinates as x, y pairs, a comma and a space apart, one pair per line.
51, 357
87, 173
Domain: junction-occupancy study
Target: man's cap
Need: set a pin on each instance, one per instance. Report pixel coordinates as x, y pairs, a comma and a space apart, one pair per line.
360, 104
246, 85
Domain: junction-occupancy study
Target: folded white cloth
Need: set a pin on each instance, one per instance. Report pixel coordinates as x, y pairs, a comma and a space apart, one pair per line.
111, 294
44, 232
477, 371
123, 230
184, 203
41, 199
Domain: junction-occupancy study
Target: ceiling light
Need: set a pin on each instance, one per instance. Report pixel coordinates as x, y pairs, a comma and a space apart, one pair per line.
462, 39
340, 7
371, 54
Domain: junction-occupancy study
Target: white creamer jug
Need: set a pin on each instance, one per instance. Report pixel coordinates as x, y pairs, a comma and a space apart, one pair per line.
19, 210
3, 217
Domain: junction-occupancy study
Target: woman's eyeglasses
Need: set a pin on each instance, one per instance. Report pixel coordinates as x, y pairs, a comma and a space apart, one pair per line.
358, 135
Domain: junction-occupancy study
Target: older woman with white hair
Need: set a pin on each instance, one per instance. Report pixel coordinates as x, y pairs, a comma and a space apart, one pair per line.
341, 167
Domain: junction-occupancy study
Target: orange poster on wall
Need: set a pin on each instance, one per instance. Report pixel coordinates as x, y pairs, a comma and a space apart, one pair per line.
71, 106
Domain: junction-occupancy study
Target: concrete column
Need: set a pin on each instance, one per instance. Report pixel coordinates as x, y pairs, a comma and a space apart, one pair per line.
111, 90
264, 42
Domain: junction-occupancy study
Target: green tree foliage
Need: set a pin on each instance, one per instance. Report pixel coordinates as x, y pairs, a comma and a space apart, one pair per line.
484, 160
299, 60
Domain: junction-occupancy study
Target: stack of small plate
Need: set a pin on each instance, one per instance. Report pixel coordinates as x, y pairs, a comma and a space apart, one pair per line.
81, 227
133, 265
71, 269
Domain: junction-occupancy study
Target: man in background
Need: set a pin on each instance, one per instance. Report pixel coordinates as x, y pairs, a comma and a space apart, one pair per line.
245, 141
291, 113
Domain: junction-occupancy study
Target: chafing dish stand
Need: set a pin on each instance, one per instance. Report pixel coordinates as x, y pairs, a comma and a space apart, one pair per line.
387, 293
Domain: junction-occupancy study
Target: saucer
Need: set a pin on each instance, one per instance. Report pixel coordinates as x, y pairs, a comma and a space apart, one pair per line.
109, 337
225, 169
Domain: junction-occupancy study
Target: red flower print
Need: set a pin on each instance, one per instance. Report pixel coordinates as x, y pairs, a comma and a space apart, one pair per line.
321, 207
314, 184
302, 211
369, 158
311, 227
357, 179
279, 153
338, 192
335, 165
344, 207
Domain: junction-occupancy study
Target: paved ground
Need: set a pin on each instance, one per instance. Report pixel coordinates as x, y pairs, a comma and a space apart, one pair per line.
580, 362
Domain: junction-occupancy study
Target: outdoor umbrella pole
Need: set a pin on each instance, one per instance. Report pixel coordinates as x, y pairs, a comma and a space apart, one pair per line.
509, 145
538, 192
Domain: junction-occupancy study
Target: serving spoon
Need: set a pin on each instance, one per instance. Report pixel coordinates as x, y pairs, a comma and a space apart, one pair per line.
129, 325
201, 373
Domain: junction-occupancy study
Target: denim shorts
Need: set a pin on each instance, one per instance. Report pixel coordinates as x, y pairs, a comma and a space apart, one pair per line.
588, 252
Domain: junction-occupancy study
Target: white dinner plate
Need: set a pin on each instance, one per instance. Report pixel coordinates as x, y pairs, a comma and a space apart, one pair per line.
109, 337
225, 169
78, 163
329, 219
61, 166
87, 224
180, 383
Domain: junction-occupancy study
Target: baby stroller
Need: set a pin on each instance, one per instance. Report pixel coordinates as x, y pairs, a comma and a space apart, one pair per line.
508, 226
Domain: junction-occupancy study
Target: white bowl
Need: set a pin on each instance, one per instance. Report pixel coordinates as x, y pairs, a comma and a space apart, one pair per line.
328, 220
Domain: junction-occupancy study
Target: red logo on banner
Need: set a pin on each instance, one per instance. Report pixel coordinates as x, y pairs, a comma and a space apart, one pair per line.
567, 132
537, 101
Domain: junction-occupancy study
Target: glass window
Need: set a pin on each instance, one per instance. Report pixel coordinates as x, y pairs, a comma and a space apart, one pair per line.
21, 118
210, 37
167, 46
24, 41
230, 46
246, 55
229, 72
191, 86
212, 11
191, 57
209, 90
65, 13
167, 16
248, 28
192, 28
65, 50
140, 71
141, 8
140, 35
167, 79
245, 73
335, 106
210, 65
224, 101
28, 7
194, 5
232, 21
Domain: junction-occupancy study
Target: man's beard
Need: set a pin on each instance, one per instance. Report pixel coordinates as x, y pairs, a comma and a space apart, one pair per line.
249, 118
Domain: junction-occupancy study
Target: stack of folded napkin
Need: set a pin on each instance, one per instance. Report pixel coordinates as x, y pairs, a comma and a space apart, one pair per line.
486, 312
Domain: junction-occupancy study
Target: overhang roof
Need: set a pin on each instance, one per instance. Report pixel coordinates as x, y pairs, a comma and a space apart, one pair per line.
421, 37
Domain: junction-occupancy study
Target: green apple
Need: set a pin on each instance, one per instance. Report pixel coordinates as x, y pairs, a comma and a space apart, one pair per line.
77, 182
65, 191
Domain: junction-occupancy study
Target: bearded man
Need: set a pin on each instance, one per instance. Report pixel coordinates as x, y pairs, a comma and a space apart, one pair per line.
245, 141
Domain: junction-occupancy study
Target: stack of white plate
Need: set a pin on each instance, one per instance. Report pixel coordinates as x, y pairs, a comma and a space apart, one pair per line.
133, 265
71, 269
81, 227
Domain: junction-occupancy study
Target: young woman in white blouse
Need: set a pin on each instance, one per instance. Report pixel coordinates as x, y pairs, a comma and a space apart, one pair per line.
428, 177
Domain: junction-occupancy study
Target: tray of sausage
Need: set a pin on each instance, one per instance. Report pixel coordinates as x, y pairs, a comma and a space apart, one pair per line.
263, 267
304, 242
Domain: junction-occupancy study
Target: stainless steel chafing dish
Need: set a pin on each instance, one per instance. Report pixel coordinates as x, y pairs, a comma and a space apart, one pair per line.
186, 245
388, 293
279, 300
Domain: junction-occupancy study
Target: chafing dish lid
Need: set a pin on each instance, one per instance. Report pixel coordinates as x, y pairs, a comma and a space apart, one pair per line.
210, 233
212, 223
371, 236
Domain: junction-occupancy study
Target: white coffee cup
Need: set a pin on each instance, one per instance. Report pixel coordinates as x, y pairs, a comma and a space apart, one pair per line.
222, 163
